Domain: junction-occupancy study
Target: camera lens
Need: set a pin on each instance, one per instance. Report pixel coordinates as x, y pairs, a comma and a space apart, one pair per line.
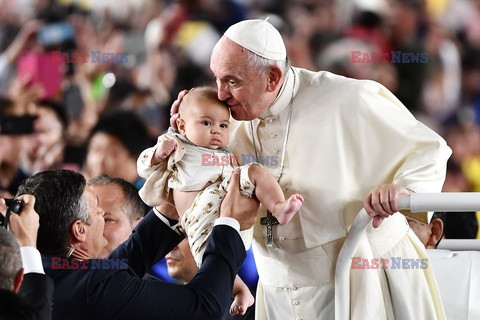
14, 205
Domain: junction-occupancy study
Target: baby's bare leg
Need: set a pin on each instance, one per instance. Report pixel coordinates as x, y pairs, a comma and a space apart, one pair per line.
183, 200
242, 297
270, 194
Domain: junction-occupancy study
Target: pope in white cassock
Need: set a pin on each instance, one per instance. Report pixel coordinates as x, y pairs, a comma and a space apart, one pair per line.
343, 144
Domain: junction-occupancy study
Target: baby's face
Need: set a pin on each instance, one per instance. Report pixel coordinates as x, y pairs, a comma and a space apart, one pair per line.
205, 123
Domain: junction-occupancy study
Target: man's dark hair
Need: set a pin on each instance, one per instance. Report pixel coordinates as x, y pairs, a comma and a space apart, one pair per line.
133, 206
461, 225
59, 201
127, 127
10, 259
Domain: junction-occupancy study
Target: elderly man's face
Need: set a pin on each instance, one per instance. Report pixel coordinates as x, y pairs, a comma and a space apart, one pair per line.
239, 86
95, 239
117, 223
421, 230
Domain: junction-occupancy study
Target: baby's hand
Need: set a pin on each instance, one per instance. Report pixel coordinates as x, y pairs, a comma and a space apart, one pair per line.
164, 149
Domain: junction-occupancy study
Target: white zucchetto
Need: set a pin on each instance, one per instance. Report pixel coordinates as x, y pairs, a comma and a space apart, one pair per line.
258, 36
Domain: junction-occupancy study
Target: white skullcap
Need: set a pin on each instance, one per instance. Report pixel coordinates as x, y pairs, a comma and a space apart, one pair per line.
258, 36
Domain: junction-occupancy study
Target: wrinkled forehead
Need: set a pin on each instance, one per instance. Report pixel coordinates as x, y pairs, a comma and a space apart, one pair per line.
228, 57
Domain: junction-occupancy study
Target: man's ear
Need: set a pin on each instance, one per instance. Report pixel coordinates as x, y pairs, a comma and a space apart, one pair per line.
17, 282
274, 76
436, 228
181, 125
78, 231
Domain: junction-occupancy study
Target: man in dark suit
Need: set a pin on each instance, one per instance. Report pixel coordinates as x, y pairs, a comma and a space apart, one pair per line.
25, 291
181, 266
71, 234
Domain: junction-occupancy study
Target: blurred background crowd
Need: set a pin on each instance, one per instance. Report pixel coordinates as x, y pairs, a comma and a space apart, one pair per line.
99, 76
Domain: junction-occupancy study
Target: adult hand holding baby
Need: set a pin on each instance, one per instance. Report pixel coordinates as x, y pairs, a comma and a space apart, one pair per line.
174, 109
236, 206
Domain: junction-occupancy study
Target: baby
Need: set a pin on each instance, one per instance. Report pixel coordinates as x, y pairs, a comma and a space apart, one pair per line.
196, 165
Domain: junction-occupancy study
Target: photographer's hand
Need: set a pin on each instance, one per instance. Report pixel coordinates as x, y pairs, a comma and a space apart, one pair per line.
25, 224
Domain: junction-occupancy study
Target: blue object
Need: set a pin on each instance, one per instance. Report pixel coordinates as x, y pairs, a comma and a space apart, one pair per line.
160, 271
248, 271
55, 33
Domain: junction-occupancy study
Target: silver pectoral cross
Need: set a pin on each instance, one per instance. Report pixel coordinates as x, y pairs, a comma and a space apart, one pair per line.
269, 221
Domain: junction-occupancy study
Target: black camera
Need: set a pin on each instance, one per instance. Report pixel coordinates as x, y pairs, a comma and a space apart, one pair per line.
13, 205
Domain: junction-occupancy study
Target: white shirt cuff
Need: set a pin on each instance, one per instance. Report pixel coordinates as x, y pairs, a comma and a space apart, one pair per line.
228, 222
165, 220
31, 259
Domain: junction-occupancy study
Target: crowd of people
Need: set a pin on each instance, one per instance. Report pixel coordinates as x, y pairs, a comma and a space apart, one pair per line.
166, 48
100, 80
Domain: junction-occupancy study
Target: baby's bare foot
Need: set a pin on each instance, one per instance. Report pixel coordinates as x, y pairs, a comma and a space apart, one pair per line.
287, 209
241, 302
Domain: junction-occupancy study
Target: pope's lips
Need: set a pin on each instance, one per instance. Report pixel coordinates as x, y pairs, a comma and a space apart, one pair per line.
233, 104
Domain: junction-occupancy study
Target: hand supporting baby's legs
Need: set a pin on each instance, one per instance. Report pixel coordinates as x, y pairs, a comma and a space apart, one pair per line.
242, 297
270, 194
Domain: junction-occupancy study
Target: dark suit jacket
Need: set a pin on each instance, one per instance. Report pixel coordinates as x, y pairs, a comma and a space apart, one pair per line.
117, 293
33, 301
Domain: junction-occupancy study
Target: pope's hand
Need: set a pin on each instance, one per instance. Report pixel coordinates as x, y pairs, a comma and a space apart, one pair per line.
382, 202
174, 109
